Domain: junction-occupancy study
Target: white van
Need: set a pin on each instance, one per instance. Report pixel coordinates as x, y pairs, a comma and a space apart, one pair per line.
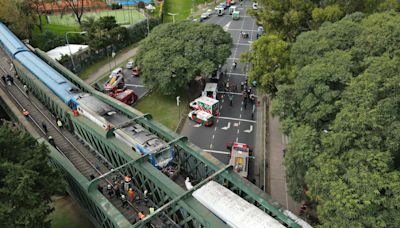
116, 72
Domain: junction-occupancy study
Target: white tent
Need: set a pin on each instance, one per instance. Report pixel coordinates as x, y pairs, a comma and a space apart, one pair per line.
58, 52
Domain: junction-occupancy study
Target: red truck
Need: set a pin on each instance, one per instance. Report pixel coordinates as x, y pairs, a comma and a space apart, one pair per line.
126, 96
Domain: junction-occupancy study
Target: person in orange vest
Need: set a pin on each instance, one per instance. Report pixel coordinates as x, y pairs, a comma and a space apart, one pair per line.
131, 194
141, 215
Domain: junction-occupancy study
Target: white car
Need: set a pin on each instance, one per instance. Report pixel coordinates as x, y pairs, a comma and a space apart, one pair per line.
130, 64
255, 5
204, 15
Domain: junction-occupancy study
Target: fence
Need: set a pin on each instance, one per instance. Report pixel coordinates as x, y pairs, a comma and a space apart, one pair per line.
84, 59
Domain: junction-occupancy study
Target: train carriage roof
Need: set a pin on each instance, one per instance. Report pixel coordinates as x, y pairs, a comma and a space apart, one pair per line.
10, 42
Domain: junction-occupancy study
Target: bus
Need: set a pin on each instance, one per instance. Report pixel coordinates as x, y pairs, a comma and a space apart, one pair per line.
232, 209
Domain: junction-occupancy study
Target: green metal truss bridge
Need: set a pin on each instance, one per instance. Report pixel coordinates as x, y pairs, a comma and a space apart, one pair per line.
89, 157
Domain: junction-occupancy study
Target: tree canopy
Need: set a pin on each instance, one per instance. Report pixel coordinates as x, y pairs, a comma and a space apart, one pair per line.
291, 17
342, 112
174, 54
103, 32
27, 181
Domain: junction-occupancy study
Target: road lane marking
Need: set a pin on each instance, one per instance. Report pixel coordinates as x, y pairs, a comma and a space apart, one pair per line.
135, 85
222, 92
240, 116
230, 118
249, 130
237, 74
226, 127
197, 125
237, 139
213, 136
226, 27
236, 124
211, 146
216, 152
242, 44
244, 30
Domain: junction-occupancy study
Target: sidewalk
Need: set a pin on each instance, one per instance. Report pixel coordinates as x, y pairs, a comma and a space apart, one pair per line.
277, 186
119, 59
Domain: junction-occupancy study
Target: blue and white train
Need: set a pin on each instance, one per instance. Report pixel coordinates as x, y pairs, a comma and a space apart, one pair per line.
134, 135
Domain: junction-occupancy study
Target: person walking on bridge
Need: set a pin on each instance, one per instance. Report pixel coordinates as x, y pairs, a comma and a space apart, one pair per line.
131, 195
26, 90
124, 201
44, 126
59, 123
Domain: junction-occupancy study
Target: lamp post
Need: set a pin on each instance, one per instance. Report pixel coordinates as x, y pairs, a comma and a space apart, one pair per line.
173, 16
178, 101
70, 52
147, 18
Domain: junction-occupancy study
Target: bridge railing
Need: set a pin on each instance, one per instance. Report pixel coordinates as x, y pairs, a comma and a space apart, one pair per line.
196, 163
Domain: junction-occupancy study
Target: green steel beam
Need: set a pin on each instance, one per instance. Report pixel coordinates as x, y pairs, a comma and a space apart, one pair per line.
203, 182
189, 148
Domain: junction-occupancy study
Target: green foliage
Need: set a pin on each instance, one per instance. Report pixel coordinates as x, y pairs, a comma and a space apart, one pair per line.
104, 32
303, 147
330, 13
174, 54
26, 181
107, 23
342, 114
48, 40
270, 57
291, 17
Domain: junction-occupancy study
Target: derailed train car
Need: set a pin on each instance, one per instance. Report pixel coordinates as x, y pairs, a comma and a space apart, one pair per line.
138, 138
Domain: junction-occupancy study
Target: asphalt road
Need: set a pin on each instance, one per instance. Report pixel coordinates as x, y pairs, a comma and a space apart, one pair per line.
134, 83
235, 122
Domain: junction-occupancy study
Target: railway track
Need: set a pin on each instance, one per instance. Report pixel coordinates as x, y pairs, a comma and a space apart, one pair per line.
87, 161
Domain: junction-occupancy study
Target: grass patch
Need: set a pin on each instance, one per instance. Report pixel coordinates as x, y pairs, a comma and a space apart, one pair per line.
67, 214
58, 29
182, 7
122, 16
104, 61
163, 108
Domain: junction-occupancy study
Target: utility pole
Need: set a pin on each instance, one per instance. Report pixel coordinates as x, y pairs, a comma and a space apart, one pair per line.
69, 47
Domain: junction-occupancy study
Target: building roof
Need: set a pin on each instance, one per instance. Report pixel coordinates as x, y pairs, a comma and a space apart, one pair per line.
58, 52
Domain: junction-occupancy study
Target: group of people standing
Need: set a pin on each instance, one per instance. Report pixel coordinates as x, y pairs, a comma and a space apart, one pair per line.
123, 190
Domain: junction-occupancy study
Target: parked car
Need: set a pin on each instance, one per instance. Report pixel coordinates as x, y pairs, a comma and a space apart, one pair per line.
136, 71
130, 64
201, 117
223, 5
204, 16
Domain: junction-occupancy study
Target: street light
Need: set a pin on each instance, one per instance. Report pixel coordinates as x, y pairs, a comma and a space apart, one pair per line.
147, 18
173, 16
178, 101
70, 52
